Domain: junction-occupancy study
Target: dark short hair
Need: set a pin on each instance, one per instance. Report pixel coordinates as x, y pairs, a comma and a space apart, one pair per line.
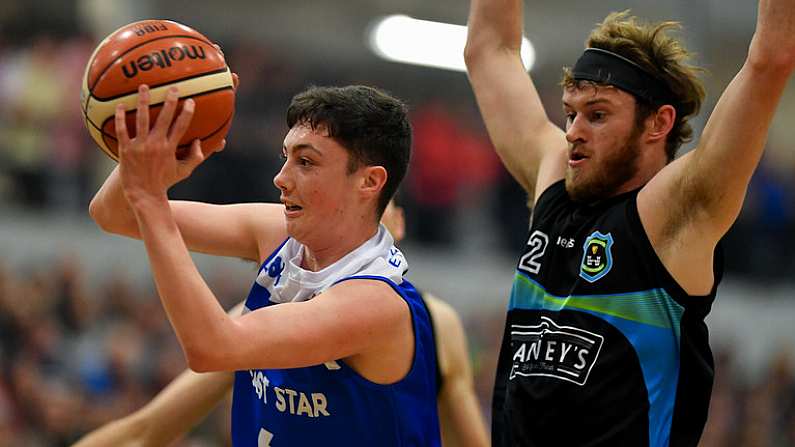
371, 124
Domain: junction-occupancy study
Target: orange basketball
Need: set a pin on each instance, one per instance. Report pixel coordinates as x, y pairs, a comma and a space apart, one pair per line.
161, 54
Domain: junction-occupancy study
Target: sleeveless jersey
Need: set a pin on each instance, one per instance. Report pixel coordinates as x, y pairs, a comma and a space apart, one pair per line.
601, 346
331, 404
439, 376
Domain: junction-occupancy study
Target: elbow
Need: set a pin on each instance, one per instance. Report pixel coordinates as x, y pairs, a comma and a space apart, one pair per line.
483, 43
215, 348
478, 52
200, 359
98, 214
474, 51
208, 356
479, 43
110, 220
198, 362
772, 61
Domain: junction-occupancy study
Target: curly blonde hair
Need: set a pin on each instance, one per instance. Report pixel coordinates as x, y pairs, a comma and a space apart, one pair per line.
664, 57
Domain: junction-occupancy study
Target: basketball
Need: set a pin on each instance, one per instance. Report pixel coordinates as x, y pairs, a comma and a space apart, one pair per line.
161, 54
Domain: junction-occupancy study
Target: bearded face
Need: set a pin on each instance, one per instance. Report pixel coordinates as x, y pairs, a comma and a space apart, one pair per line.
604, 142
607, 173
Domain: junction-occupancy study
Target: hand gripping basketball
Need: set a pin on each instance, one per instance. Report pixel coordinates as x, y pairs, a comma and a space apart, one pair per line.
160, 54
149, 164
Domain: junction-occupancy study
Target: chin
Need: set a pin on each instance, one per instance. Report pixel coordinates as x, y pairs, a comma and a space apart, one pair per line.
294, 231
582, 190
575, 187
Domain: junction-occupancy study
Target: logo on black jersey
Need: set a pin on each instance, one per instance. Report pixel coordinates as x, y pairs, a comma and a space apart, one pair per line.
597, 259
549, 350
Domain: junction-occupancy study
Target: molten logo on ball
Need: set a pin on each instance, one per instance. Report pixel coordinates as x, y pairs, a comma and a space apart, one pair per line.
162, 59
161, 54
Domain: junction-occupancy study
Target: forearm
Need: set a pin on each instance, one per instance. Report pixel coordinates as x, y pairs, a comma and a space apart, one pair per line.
125, 432
735, 134
734, 138
460, 416
198, 319
183, 404
172, 413
517, 123
110, 210
493, 24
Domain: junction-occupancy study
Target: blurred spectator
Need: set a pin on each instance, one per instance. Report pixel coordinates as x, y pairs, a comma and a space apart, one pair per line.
449, 165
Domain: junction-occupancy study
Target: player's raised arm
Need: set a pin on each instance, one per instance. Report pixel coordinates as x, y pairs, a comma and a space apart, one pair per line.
337, 324
694, 201
248, 231
531, 147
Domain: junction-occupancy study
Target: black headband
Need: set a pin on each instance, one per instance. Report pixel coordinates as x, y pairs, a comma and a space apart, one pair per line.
605, 67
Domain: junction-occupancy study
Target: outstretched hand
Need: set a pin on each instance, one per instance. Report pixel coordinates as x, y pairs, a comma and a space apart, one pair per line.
150, 164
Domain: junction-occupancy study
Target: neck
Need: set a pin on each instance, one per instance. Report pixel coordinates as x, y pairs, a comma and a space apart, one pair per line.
647, 168
636, 182
318, 256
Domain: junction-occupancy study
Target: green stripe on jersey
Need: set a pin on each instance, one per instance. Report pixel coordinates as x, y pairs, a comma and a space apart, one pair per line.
654, 307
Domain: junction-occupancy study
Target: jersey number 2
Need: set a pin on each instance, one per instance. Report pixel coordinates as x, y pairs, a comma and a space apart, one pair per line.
537, 246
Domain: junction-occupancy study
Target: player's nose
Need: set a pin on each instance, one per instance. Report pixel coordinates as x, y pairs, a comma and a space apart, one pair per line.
282, 179
574, 131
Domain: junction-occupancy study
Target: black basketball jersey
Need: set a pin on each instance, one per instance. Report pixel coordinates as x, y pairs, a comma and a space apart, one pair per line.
601, 346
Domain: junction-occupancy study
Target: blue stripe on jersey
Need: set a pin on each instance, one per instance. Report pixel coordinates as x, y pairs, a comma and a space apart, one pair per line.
259, 296
650, 321
275, 252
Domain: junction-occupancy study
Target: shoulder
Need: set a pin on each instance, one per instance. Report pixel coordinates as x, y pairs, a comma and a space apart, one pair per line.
370, 314
445, 319
451, 348
550, 199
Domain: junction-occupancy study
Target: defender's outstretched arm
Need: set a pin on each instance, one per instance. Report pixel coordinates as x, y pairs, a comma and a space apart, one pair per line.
693, 201
531, 147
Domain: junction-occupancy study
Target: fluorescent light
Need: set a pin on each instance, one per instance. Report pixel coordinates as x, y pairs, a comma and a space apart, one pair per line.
401, 38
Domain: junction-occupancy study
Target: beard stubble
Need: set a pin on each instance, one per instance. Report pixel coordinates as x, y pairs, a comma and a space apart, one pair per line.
607, 178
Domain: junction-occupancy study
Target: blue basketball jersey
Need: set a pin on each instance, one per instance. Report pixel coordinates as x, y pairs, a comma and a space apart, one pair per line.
330, 403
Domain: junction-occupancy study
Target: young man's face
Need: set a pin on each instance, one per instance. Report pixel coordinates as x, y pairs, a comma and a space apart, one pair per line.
316, 187
604, 142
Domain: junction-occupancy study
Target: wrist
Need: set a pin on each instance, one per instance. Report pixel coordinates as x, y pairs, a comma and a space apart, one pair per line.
141, 201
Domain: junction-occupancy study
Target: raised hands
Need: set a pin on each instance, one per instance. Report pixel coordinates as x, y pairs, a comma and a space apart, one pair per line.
151, 163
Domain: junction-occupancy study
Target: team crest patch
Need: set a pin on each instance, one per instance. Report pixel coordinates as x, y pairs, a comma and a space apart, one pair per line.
597, 260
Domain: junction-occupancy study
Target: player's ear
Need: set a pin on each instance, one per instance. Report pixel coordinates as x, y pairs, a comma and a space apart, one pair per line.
660, 123
373, 180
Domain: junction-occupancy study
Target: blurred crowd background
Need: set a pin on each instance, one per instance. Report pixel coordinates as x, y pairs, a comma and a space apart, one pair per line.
83, 338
